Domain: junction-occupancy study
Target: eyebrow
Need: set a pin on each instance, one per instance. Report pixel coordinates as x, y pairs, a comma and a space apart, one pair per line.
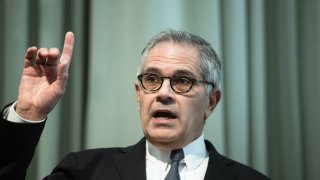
152, 70
180, 72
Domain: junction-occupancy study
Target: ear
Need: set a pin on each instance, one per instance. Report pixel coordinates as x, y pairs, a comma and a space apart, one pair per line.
214, 99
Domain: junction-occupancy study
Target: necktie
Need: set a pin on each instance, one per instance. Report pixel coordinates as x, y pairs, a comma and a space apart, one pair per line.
176, 156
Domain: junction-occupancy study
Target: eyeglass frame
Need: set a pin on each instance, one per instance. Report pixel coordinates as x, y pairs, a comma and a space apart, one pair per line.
192, 80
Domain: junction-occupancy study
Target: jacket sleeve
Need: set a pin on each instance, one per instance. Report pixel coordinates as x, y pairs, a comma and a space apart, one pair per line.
67, 169
17, 145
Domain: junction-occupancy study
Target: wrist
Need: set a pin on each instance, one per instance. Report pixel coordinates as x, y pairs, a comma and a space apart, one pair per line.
28, 113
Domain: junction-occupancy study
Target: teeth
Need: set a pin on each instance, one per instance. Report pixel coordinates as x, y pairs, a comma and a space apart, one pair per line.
162, 117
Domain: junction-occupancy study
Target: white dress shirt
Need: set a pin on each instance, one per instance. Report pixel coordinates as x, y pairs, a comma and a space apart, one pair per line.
192, 167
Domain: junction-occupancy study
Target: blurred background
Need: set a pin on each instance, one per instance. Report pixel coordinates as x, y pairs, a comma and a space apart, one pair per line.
269, 117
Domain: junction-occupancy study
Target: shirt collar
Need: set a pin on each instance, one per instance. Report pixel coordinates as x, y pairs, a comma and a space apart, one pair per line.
195, 153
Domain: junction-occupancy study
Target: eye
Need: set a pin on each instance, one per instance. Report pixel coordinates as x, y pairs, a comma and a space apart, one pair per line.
151, 78
181, 80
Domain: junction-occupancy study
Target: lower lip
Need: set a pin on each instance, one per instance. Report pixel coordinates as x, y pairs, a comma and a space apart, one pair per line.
163, 120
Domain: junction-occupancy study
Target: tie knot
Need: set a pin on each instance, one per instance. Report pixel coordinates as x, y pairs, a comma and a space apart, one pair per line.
177, 155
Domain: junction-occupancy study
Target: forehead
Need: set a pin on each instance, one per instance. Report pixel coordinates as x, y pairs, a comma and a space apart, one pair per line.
170, 57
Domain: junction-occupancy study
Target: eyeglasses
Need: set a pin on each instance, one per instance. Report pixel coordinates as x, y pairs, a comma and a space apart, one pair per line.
179, 84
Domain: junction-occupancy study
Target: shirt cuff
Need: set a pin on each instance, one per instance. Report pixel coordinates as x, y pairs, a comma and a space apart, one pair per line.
11, 115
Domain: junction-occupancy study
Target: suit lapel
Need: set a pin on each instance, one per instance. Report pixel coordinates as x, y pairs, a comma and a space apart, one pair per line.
131, 164
217, 166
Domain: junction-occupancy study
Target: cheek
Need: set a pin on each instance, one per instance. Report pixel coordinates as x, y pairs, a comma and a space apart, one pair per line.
143, 116
144, 108
194, 113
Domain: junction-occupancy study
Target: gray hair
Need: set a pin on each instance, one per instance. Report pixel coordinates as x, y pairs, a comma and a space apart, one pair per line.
210, 64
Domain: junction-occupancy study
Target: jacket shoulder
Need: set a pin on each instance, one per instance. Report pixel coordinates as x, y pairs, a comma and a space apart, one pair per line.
243, 171
111, 153
220, 165
102, 162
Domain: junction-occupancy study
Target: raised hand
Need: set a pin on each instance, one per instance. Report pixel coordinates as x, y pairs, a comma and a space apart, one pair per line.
44, 79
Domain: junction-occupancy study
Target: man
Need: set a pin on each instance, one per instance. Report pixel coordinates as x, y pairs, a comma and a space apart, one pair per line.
177, 89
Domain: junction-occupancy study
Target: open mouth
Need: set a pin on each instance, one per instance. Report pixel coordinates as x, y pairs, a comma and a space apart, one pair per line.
164, 115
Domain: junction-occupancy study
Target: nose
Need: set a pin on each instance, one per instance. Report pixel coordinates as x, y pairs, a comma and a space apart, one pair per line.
165, 93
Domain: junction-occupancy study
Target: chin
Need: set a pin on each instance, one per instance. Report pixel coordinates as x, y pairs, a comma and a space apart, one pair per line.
163, 139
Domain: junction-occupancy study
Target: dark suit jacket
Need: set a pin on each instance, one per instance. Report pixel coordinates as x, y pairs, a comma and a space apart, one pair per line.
18, 142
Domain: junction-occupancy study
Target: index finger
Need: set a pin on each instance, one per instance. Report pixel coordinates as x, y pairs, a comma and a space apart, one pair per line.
65, 60
67, 48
